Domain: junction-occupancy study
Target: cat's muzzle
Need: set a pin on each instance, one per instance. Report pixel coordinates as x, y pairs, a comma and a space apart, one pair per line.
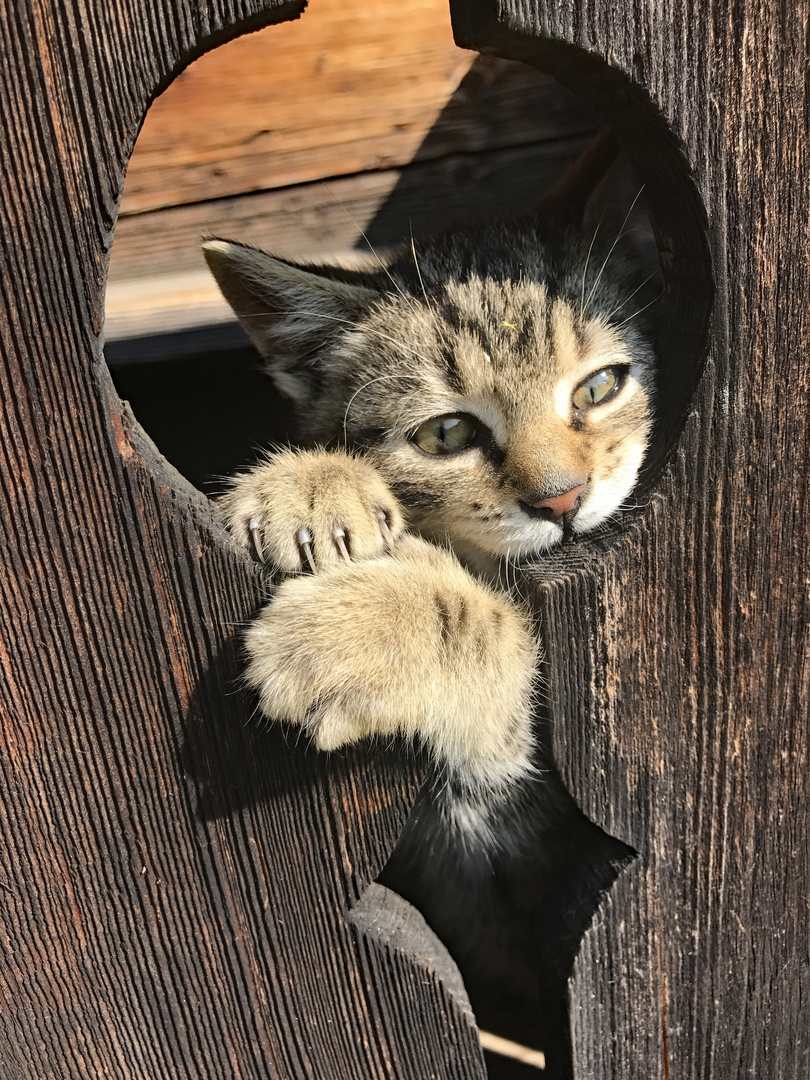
560, 508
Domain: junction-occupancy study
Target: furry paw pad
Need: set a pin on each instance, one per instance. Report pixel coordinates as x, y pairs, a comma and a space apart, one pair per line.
307, 510
408, 645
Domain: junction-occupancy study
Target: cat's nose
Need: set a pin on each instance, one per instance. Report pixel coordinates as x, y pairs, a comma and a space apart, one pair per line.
562, 503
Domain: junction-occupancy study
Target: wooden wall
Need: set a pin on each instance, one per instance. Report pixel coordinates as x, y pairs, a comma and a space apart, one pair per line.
175, 888
678, 646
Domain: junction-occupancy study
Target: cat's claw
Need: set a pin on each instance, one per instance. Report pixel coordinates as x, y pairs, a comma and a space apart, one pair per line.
304, 511
254, 528
339, 536
382, 521
304, 538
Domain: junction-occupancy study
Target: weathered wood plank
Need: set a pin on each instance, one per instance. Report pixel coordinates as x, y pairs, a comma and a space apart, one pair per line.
174, 884
157, 280
347, 90
679, 647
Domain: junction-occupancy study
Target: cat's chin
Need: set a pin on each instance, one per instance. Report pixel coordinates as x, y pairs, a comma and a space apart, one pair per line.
494, 565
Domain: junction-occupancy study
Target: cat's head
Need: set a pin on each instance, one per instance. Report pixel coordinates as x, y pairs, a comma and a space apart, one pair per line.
501, 380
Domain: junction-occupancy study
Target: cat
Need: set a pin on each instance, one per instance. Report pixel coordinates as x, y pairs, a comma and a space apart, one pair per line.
461, 408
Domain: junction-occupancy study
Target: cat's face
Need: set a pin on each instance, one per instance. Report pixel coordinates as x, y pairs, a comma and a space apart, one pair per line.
500, 382
501, 417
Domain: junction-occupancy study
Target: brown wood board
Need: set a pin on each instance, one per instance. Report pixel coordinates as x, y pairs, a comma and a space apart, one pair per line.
175, 885
349, 90
678, 646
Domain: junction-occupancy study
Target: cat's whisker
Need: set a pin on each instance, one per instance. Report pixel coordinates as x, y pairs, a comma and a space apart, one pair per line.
418, 271
507, 566
336, 318
519, 567
379, 378
509, 585
627, 299
290, 314
513, 588
631, 504
620, 326
585, 270
619, 236
371, 247
502, 567
398, 344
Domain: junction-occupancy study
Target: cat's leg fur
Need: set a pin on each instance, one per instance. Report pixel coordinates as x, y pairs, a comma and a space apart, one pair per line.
401, 641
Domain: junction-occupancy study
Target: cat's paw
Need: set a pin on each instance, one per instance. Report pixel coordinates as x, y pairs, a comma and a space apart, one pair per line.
409, 644
313, 509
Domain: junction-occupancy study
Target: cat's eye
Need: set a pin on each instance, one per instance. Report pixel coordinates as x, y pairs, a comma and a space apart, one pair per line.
445, 435
599, 387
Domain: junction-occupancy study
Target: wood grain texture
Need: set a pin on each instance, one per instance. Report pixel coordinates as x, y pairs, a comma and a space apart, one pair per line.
679, 646
348, 89
174, 883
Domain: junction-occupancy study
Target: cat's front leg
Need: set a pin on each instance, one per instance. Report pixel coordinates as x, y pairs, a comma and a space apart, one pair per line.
408, 643
312, 509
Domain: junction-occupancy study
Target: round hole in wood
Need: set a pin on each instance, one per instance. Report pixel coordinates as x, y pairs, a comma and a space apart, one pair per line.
498, 132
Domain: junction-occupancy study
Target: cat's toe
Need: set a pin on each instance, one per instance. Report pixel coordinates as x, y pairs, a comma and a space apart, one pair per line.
332, 726
305, 511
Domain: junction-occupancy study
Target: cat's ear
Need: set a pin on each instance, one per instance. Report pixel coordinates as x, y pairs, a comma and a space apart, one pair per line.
567, 201
617, 211
601, 197
291, 313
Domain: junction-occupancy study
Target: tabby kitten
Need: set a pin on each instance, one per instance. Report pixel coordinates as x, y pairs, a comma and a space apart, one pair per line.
466, 405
